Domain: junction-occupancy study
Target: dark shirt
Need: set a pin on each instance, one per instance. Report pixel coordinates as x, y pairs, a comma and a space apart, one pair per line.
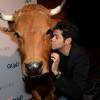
74, 69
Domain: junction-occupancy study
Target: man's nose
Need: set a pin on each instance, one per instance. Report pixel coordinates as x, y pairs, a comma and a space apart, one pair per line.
53, 39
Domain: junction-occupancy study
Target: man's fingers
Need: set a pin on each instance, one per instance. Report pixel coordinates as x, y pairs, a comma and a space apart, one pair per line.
53, 58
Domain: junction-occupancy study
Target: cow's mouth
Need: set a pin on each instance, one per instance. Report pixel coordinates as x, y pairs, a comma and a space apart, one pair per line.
34, 69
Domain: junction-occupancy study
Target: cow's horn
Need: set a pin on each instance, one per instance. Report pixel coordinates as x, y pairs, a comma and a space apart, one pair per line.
6, 17
57, 9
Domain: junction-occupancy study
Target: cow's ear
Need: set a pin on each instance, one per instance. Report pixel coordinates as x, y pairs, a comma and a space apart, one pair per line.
54, 22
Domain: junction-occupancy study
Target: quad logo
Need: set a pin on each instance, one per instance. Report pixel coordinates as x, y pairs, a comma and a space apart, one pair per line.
16, 98
13, 65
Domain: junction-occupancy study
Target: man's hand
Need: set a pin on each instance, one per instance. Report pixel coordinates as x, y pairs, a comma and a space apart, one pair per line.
56, 60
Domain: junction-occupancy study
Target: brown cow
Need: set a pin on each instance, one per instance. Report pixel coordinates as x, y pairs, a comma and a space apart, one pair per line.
32, 24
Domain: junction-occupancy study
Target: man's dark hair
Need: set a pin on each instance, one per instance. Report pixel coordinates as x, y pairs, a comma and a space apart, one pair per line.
69, 29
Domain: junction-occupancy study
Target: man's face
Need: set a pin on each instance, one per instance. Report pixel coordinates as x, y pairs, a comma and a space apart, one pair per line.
57, 40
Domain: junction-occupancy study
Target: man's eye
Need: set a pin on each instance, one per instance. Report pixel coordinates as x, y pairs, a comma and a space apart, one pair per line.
17, 34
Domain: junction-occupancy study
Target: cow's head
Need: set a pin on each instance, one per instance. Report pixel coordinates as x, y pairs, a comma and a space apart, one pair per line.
33, 25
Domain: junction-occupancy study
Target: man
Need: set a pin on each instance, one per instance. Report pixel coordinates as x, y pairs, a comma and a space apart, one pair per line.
72, 60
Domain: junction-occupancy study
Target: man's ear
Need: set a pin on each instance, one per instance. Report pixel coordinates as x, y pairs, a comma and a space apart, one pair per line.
68, 40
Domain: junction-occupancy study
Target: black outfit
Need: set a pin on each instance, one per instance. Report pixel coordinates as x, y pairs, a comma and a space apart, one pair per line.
74, 69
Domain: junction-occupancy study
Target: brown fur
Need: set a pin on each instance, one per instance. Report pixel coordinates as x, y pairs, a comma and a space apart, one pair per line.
31, 23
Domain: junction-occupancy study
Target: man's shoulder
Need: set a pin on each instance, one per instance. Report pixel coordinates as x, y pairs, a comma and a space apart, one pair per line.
78, 50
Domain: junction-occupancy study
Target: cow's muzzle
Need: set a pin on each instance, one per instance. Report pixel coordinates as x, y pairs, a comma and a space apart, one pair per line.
34, 69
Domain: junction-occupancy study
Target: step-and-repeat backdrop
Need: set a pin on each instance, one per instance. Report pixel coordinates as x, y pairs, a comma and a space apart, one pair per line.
11, 83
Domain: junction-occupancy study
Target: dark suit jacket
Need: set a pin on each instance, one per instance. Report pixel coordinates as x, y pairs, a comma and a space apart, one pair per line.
74, 68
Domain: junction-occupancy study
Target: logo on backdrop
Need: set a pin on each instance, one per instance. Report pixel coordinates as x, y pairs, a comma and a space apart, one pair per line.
28, 1
16, 98
7, 46
11, 84
13, 65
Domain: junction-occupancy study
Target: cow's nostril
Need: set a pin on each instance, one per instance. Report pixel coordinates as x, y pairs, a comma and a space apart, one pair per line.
35, 66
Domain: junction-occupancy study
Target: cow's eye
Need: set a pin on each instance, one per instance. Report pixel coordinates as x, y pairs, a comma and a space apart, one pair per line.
17, 34
50, 32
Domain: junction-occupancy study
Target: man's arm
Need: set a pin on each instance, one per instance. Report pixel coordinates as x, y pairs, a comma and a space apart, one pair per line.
74, 86
55, 57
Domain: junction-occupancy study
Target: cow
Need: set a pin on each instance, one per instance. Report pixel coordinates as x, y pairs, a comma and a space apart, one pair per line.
33, 26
